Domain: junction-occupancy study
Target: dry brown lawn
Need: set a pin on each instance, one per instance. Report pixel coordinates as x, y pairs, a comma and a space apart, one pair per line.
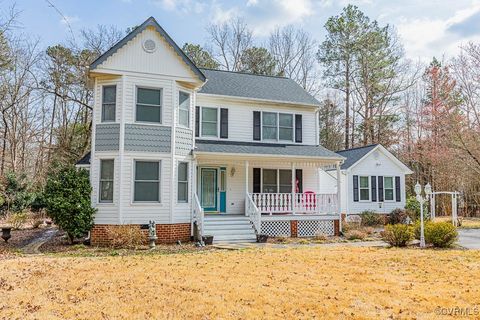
301, 283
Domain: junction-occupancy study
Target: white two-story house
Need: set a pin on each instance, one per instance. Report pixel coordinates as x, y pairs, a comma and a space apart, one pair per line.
231, 154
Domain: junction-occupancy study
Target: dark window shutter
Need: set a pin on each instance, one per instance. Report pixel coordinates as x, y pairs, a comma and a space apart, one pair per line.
256, 180
299, 178
374, 188
197, 121
397, 189
224, 123
298, 128
355, 188
380, 188
256, 125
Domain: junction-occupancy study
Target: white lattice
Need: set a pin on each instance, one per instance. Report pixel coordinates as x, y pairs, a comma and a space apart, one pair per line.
310, 228
276, 228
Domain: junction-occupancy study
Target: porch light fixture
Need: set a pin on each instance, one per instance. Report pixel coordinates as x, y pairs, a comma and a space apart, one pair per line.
422, 199
232, 171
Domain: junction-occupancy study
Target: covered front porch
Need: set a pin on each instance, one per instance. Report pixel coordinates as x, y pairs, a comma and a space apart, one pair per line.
278, 194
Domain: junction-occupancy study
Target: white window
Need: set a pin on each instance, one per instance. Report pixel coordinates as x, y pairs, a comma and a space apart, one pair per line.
109, 97
269, 126
149, 105
364, 189
285, 123
209, 122
106, 180
182, 177
147, 181
388, 186
276, 181
183, 109
277, 126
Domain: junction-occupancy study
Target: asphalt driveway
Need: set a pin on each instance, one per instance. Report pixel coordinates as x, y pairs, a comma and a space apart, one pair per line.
469, 238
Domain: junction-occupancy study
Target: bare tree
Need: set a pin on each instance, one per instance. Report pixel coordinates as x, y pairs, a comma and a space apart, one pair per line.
294, 53
229, 41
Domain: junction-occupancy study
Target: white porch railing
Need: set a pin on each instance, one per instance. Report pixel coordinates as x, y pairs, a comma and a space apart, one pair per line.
310, 203
253, 213
198, 214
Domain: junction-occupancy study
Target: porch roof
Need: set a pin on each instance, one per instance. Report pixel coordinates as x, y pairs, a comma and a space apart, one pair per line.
267, 149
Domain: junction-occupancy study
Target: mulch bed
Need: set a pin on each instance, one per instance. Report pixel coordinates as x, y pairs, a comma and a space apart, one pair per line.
60, 244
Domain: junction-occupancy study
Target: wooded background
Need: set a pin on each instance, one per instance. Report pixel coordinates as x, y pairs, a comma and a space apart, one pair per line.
428, 114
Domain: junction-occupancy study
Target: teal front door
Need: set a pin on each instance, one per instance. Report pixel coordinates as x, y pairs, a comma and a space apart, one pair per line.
208, 178
222, 189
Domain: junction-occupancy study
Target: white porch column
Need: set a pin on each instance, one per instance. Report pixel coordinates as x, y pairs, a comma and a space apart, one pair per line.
294, 188
317, 193
339, 199
246, 185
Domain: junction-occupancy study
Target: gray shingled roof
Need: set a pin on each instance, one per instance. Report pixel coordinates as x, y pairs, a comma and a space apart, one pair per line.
149, 22
85, 160
354, 154
264, 148
245, 85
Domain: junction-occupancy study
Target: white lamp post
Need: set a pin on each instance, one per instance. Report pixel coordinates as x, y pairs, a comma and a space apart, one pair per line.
421, 199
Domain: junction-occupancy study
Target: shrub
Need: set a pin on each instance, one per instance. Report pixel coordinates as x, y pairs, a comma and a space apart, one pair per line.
355, 235
15, 193
412, 208
397, 235
125, 236
440, 234
370, 218
67, 199
397, 216
18, 219
320, 236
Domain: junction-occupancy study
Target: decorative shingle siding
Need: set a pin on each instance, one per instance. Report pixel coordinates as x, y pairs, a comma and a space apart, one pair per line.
147, 138
183, 141
107, 137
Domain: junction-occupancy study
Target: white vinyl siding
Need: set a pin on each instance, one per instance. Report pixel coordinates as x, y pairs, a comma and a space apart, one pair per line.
149, 105
147, 181
364, 188
184, 109
107, 171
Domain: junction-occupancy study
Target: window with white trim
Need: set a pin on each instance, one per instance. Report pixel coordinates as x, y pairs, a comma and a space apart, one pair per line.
388, 188
276, 181
109, 97
269, 126
277, 126
146, 181
184, 109
182, 180
364, 187
106, 180
149, 105
209, 122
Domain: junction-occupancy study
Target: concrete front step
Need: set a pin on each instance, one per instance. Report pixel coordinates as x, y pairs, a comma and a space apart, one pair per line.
229, 228
236, 237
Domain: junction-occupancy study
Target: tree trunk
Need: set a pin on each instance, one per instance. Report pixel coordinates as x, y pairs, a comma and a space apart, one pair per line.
347, 105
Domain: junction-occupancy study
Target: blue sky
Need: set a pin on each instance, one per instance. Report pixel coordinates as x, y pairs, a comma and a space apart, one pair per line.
427, 27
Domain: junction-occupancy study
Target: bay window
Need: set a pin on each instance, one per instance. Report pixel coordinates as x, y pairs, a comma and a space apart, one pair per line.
149, 105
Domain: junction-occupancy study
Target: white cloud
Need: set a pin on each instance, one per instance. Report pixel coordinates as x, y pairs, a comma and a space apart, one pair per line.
69, 20
181, 6
427, 37
264, 16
